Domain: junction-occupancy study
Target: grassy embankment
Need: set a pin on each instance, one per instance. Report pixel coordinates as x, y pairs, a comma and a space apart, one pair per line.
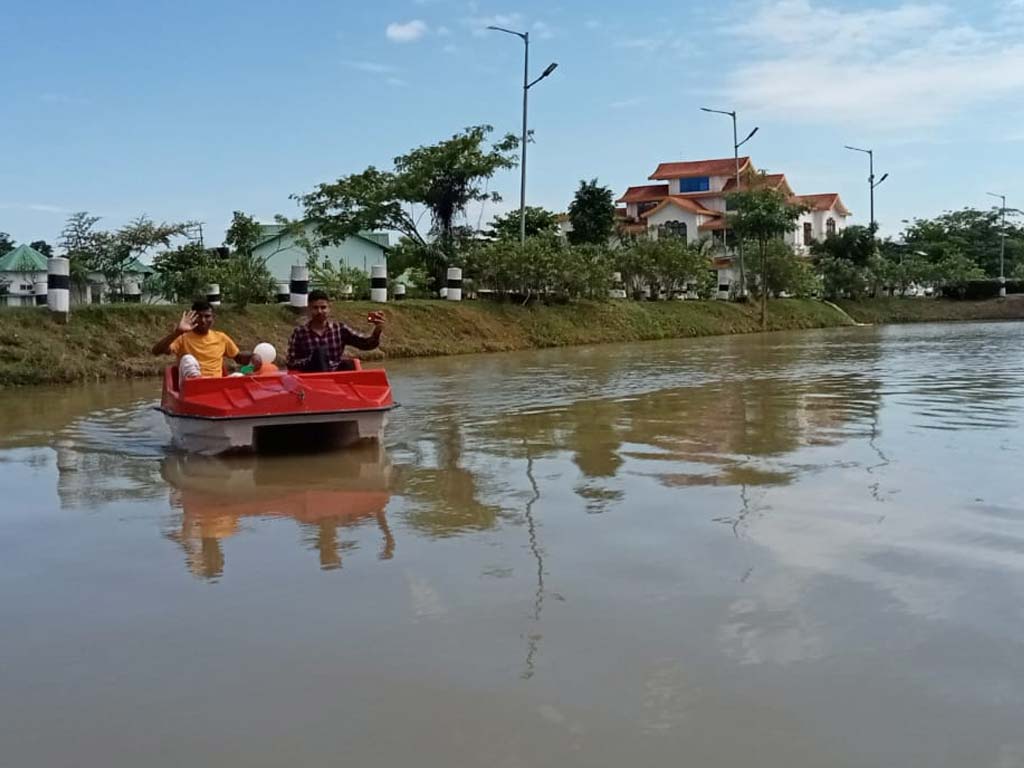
114, 341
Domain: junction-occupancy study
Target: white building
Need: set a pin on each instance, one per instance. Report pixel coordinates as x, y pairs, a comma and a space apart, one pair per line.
281, 249
689, 201
22, 277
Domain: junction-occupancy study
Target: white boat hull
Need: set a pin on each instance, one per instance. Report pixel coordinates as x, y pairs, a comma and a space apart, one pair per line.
214, 436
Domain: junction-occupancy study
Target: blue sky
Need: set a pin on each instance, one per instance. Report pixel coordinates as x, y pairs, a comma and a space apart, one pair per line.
191, 109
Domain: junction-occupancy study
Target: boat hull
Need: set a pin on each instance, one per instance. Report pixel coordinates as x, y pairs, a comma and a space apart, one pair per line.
272, 413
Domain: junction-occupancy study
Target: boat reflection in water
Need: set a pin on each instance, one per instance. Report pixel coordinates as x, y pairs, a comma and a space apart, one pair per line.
322, 492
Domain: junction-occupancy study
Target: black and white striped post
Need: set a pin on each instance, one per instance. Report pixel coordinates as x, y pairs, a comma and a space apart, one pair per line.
454, 284
213, 294
399, 291
283, 295
58, 287
618, 289
299, 287
379, 283
39, 289
133, 292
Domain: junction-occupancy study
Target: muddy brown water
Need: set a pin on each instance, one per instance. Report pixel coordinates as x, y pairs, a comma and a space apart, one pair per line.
791, 550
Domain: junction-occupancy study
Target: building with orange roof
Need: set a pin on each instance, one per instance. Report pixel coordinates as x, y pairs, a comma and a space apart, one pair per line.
688, 199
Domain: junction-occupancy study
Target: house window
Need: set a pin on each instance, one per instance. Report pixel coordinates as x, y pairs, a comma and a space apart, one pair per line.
808, 233
675, 229
696, 184
830, 227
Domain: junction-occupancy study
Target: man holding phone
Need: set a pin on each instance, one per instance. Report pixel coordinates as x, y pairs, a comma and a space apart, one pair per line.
319, 344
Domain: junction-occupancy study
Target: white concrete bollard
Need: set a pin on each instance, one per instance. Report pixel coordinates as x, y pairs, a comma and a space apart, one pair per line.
58, 286
399, 291
283, 294
348, 292
454, 284
443, 293
213, 294
618, 289
379, 283
39, 289
299, 287
132, 292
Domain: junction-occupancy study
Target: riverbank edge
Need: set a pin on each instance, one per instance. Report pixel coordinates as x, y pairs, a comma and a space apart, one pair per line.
113, 341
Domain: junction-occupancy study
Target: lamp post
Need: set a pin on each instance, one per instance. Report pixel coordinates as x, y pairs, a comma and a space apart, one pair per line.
736, 155
527, 85
1002, 245
872, 184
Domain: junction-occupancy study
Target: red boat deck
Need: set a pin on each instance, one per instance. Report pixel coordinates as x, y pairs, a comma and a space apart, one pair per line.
281, 394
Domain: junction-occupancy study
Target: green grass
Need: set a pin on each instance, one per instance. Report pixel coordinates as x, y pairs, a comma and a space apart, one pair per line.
113, 341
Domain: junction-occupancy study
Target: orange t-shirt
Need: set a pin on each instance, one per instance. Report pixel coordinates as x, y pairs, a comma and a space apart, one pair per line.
265, 369
209, 349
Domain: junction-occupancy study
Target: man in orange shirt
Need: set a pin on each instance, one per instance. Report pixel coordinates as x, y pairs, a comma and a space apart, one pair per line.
200, 349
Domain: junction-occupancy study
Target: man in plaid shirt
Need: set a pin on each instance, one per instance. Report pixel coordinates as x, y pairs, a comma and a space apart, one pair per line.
319, 344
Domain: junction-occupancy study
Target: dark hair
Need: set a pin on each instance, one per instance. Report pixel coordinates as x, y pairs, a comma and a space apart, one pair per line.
317, 296
202, 305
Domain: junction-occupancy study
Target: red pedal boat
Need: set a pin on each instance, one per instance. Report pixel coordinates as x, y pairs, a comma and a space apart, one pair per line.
238, 413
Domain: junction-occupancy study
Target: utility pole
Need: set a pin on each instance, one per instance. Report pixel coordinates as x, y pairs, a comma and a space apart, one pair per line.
736, 156
527, 85
1002, 245
872, 184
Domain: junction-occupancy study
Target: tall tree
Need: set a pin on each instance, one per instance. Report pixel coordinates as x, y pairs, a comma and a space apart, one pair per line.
763, 215
592, 214
6, 243
443, 178
245, 275
539, 221
43, 247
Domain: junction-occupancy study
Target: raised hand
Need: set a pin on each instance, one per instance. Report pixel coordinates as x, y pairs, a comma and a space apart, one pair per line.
376, 318
187, 322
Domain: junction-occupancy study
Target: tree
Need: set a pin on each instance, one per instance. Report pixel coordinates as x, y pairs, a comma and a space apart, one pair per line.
79, 241
444, 178
183, 273
244, 276
591, 214
6, 243
667, 266
763, 215
972, 233
43, 247
788, 273
845, 260
955, 270
539, 221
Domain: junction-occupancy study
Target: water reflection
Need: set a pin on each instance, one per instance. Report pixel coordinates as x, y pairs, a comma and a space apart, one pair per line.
324, 493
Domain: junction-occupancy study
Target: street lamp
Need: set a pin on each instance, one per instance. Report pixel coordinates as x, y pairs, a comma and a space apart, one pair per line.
1002, 245
527, 85
872, 184
736, 155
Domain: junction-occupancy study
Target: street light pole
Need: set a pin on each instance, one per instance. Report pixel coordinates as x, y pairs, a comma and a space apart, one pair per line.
527, 85
1002, 245
736, 144
872, 184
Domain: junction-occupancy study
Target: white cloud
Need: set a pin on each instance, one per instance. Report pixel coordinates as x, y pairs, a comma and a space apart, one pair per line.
37, 207
408, 32
396, 82
592, 24
372, 67
542, 30
624, 103
908, 65
443, 32
450, 48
